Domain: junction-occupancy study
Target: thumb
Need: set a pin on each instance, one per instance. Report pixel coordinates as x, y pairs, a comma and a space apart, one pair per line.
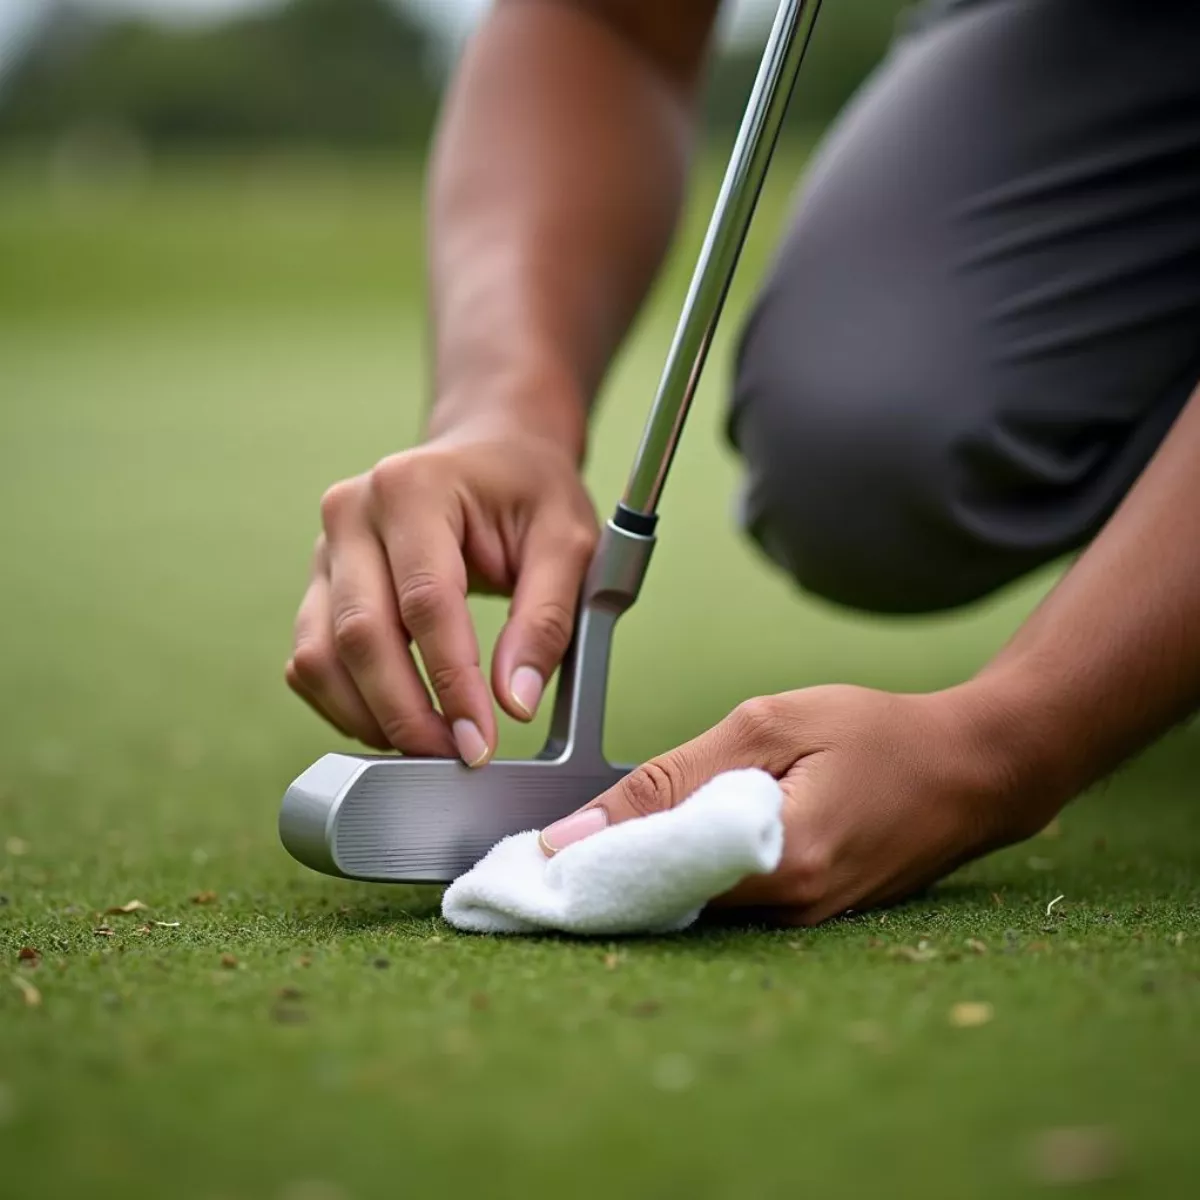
748, 737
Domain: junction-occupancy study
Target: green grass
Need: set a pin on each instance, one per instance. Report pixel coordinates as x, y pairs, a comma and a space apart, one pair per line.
183, 367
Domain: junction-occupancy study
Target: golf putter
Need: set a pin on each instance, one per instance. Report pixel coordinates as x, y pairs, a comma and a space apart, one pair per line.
392, 819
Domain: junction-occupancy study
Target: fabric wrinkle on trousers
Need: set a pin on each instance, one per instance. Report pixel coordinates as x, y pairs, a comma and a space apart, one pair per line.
985, 315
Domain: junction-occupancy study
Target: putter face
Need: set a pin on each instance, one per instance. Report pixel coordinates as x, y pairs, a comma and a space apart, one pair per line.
425, 820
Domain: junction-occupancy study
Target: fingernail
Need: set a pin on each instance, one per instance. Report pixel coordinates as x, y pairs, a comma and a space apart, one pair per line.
527, 686
572, 829
472, 749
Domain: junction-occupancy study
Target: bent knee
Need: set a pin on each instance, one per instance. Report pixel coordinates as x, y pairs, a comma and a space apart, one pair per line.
852, 480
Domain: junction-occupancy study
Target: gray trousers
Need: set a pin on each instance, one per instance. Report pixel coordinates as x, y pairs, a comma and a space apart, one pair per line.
986, 313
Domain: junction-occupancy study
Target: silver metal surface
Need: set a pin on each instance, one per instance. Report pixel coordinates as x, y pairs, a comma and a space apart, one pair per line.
419, 820
425, 820
739, 193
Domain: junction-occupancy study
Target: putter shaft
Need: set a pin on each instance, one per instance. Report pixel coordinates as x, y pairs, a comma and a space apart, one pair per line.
719, 255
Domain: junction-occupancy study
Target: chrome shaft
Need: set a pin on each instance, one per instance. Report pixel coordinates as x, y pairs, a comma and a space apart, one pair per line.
722, 247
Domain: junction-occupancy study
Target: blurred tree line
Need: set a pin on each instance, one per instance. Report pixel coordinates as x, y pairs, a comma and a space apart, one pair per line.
347, 73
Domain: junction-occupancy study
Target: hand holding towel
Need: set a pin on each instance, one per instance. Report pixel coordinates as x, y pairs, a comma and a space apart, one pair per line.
653, 874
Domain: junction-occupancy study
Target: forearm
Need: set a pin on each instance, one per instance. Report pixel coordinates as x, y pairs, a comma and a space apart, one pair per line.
557, 177
1111, 658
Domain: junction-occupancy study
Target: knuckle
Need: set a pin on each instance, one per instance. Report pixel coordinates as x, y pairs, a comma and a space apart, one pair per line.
423, 599
309, 664
651, 788
406, 733
446, 678
579, 542
398, 730
551, 625
758, 720
337, 500
354, 634
401, 473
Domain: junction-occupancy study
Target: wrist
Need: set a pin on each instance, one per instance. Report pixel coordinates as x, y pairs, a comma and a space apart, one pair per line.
511, 403
1023, 757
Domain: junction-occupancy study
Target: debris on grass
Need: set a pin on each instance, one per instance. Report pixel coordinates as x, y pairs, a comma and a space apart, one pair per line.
646, 1008
381, 963
30, 994
305, 960
290, 992
998, 899
480, 1002
229, 961
612, 960
30, 955
105, 931
166, 924
205, 897
970, 1014
976, 946
1050, 906
130, 906
16, 846
920, 953
1064, 1157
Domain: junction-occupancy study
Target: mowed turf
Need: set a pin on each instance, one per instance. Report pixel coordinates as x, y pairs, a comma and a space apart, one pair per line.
184, 365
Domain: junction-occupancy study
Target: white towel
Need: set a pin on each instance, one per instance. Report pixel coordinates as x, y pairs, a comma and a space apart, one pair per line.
650, 875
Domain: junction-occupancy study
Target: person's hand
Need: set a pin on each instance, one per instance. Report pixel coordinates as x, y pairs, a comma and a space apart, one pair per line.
883, 793
486, 509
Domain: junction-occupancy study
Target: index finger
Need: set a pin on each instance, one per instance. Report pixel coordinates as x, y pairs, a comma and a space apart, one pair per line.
430, 581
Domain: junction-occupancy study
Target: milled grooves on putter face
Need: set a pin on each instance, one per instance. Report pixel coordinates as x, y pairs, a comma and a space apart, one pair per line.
426, 820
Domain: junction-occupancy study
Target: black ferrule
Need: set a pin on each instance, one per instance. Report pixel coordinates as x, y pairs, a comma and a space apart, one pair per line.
631, 521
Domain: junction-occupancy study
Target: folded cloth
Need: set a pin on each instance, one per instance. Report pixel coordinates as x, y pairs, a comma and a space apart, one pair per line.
653, 874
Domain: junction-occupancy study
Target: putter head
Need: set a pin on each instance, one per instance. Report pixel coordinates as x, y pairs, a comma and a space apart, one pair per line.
428, 820
424, 820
